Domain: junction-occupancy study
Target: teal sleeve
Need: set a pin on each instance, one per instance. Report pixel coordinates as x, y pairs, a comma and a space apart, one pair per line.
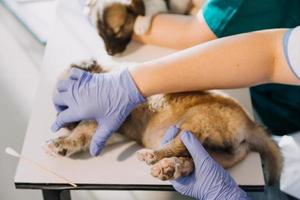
218, 13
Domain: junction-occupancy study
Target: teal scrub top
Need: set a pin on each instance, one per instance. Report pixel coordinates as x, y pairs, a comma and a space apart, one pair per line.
277, 105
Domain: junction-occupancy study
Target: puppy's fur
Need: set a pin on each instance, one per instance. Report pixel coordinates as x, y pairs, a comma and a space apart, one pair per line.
116, 20
219, 123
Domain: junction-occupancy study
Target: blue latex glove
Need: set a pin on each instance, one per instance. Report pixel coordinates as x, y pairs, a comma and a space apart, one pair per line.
209, 180
107, 98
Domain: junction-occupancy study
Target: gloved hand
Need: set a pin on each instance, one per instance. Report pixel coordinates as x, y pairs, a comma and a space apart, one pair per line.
209, 180
107, 98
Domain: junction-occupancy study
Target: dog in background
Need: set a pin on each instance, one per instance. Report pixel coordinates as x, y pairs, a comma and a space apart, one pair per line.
117, 20
217, 121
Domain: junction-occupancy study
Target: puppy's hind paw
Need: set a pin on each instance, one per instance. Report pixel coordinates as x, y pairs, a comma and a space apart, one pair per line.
172, 168
147, 155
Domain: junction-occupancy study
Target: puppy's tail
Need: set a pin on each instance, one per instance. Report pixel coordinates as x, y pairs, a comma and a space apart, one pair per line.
259, 141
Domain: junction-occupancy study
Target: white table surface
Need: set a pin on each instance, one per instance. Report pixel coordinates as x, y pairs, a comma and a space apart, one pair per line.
73, 39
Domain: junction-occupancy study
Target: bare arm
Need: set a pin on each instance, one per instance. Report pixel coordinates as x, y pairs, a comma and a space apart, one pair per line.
231, 62
177, 31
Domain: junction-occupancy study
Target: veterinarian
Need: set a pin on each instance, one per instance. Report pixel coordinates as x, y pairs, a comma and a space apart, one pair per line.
270, 56
219, 18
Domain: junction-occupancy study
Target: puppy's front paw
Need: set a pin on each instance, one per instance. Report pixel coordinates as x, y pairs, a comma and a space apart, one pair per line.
61, 146
172, 168
147, 155
142, 25
53, 147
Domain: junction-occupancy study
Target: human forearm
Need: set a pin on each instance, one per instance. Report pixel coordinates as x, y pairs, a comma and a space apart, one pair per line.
232, 62
176, 31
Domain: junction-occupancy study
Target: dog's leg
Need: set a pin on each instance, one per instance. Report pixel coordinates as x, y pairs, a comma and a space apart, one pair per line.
174, 148
172, 168
77, 141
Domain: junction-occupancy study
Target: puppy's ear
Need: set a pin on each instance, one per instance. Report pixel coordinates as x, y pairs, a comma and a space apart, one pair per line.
137, 7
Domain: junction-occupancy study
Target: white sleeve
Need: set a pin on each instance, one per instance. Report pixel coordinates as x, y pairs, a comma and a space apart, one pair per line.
292, 50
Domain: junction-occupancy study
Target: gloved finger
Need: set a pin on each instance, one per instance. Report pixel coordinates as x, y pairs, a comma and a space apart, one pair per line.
98, 141
197, 151
181, 183
63, 118
64, 85
170, 134
59, 99
75, 73
60, 108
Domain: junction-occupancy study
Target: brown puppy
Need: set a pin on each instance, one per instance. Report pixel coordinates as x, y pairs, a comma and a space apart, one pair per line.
219, 122
116, 25
116, 19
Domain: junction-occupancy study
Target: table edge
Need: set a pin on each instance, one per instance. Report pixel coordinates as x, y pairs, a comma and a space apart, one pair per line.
61, 186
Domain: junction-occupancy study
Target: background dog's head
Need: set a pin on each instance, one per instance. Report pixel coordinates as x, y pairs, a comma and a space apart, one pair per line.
115, 26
